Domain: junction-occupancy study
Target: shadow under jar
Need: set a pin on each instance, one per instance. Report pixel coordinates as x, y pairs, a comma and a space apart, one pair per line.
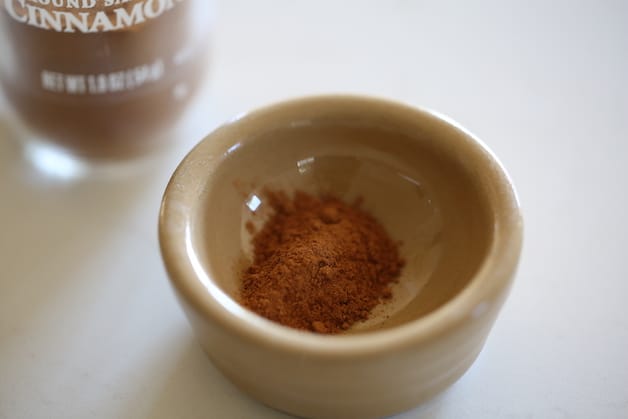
102, 79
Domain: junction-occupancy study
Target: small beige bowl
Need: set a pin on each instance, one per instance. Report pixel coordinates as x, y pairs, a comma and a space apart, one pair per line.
433, 185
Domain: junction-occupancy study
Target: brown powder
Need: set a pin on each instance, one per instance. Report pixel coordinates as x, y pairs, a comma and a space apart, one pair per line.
319, 264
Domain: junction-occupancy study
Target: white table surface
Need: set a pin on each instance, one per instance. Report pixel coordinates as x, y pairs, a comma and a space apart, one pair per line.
90, 329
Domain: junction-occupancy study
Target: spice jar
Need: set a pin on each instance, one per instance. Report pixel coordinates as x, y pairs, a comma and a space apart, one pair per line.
102, 79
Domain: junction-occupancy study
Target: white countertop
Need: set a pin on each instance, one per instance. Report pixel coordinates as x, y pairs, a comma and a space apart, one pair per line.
90, 329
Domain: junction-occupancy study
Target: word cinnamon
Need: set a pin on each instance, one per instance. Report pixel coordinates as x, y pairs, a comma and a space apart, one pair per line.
319, 264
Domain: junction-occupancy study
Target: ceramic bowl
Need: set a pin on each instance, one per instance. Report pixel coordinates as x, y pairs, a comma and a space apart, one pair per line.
433, 185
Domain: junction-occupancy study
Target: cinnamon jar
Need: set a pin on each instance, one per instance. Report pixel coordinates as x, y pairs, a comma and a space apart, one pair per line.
102, 79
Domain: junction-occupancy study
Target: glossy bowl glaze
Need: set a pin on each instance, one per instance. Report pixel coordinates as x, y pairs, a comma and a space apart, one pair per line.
434, 187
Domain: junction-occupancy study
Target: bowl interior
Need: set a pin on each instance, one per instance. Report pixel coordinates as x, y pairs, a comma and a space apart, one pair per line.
423, 193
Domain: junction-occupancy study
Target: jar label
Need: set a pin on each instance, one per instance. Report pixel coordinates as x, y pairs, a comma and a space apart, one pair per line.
103, 83
86, 16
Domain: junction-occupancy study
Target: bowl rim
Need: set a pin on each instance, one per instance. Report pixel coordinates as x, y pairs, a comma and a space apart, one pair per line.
191, 282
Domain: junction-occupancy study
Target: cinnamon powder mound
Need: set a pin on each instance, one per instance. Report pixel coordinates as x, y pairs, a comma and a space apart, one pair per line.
319, 264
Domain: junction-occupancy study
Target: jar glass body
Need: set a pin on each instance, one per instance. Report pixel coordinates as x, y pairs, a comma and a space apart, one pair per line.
102, 79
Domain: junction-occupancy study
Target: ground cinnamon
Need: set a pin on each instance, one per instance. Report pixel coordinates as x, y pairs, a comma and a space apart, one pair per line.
319, 264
